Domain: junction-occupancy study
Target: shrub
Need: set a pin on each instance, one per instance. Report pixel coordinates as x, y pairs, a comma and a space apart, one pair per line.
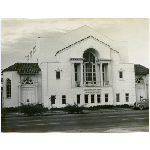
125, 106
4, 112
12, 109
32, 109
56, 109
73, 108
100, 106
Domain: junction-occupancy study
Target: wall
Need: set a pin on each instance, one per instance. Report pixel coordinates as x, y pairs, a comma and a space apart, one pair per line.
51, 86
125, 85
63, 87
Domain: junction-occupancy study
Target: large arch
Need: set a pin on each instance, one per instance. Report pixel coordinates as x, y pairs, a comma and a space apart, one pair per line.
93, 51
90, 56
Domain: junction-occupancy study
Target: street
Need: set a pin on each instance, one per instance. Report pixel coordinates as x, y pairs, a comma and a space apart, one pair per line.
98, 121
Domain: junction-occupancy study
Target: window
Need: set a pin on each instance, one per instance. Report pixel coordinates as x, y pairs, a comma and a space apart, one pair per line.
57, 75
98, 98
118, 97
127, 97
78, 99
120, 74
106, 97
8, 88
53, 97
86, 98
92, 98
89, 67
63, 99
75, 67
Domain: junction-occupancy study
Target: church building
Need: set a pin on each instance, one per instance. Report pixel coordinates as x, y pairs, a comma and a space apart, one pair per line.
82, 67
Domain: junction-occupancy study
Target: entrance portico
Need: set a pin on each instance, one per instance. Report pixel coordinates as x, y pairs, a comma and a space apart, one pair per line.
90, 74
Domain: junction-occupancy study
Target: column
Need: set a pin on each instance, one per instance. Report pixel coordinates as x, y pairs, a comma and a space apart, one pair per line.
145, 81
101, 74
81, 71
109, 74
72, 75
36, 97
84, 74
19, 86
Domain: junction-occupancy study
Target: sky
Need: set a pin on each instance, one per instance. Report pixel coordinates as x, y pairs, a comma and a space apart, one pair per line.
18, 36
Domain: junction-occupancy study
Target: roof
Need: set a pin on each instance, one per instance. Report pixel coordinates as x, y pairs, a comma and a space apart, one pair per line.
140, 70
24, 68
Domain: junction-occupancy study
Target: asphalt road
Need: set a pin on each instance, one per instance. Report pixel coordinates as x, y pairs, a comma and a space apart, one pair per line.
121, 121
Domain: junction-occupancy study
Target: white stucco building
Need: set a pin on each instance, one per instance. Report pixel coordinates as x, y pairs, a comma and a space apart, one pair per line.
81, 66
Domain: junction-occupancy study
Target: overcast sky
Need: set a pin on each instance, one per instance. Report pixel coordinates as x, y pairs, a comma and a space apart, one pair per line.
18, 36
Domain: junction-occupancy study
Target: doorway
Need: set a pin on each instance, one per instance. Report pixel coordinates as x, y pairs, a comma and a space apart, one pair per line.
28, 95
140, 92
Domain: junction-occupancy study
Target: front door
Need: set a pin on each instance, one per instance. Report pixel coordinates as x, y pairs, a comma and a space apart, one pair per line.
28, 95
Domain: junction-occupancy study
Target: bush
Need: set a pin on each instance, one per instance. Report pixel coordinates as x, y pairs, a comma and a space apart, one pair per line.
4, 112
12, 109
125, 106
56, 109
100, 106
73, 108
32, 109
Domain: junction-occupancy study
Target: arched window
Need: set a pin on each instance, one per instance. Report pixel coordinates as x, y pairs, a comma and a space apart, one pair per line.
8, 88
89, 72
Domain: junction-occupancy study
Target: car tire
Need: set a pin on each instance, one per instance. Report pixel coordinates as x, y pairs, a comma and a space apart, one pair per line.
141, 107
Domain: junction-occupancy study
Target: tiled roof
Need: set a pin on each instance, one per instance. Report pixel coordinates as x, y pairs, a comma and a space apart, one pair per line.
84, 40
24, 68
140, 70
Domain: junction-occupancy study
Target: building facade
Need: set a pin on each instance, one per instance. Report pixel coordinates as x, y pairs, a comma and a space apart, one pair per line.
80, 67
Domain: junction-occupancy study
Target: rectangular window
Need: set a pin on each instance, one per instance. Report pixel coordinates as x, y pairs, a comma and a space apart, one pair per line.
121, 74
118, 97
86, 98
78, 99
98, 98
106, 97
127, 97
63, 99
57, 75
53, 97
92, 98
75, 67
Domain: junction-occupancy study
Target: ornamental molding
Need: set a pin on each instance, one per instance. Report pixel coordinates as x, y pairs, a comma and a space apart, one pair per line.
27, 80
77, 59
58, 70
139, 80
98, 60
121, 70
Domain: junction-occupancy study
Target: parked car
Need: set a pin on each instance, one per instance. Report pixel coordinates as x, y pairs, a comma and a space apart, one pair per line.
144, 103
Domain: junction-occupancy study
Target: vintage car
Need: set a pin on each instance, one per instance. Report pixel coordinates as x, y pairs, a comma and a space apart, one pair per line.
144, 103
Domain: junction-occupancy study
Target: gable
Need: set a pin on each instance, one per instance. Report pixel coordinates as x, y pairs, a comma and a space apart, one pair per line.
52, 46
82, 40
